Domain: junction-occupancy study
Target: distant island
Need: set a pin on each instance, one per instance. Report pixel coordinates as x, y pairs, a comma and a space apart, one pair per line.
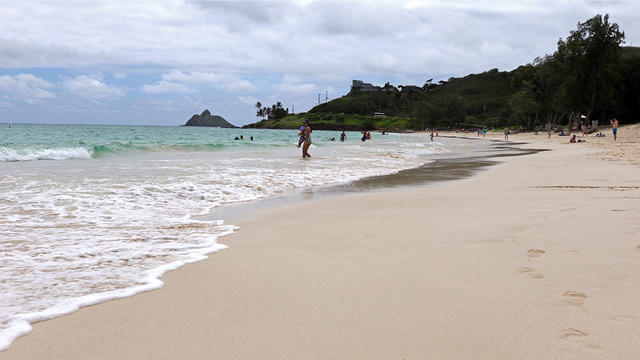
206, 119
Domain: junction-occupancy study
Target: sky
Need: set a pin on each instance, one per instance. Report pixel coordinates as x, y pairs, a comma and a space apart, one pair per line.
159, 62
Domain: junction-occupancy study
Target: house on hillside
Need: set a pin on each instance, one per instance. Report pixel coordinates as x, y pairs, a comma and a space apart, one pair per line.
359, 85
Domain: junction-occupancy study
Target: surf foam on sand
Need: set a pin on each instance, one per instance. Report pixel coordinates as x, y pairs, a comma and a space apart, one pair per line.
89, 229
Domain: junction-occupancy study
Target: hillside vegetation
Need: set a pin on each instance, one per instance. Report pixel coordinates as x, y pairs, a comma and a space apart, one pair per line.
589, 77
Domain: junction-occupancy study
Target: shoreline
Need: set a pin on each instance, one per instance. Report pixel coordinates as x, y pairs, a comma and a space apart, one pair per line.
347, 288
459, 165
438, 168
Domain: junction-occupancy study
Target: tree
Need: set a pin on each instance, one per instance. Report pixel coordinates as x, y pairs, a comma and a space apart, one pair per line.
589, 57
453, 109
259, 112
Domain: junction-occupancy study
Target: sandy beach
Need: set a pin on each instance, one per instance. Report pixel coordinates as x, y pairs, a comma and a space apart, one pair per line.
536, 257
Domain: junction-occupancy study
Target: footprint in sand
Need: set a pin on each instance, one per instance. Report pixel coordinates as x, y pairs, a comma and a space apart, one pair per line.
534, 253
533, 273
579, 337
575, 297
571, 332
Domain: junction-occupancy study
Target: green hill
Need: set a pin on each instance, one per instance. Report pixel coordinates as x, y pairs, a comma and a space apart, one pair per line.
528, 96
470, 100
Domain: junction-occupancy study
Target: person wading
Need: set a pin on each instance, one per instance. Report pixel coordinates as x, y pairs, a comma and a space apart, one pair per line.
307, 139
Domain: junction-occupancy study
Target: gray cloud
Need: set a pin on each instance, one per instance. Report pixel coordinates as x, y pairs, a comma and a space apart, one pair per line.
220, 48
281, 37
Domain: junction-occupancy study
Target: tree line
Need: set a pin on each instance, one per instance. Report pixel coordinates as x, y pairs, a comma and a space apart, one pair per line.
276, 111
585, 78
590, 76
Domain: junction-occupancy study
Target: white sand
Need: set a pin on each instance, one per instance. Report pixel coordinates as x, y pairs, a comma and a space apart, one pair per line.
536, 258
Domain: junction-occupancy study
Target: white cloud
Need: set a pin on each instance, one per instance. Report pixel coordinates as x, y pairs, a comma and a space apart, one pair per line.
291, 79
26, 87
240, 85
119, 75
91, 87
294, 85
298, 89
166, 87
197, 77
248, 100
176, 81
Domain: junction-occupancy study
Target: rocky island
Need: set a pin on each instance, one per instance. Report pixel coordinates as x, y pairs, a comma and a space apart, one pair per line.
206, 119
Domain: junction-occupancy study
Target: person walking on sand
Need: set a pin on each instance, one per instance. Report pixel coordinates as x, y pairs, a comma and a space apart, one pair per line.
307, 139
614, 128
506, 134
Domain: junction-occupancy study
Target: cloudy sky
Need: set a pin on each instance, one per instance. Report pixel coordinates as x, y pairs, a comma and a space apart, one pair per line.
159, 62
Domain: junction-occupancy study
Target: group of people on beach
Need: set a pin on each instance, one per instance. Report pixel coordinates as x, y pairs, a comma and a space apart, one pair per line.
583, 127
304, 138
614, 130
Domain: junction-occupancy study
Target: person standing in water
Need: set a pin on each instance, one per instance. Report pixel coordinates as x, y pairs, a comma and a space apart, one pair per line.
614, 127
307, 139
343, 136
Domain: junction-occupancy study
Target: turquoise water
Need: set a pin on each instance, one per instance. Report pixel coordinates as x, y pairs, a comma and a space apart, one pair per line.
24, 142
91, 213
38, 142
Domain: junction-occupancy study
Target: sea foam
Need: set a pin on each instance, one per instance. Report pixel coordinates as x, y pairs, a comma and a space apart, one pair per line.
30, 154
75, 233
20, 324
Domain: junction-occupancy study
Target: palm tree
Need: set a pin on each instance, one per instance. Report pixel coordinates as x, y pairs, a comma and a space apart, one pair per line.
259, 112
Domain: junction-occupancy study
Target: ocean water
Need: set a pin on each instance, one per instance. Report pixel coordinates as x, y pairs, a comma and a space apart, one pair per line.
91, 213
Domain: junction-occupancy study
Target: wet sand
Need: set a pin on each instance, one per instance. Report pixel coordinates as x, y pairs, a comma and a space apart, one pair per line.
535, 258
